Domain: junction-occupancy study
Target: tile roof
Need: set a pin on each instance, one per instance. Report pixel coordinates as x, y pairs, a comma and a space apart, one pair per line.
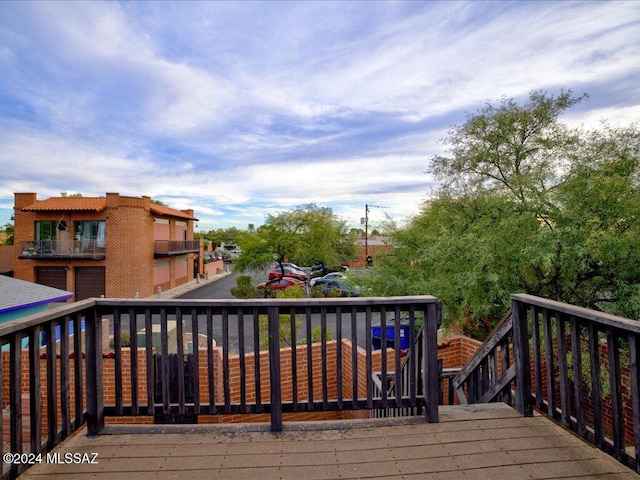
94, 204
170, 212
18, 294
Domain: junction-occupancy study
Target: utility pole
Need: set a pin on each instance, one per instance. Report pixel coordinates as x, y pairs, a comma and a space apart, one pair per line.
366, 231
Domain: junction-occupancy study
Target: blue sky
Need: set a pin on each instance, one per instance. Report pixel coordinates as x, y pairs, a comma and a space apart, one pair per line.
242, 109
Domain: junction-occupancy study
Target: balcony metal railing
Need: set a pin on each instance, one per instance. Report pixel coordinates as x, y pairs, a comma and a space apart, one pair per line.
39, 249
175, 247
179, 360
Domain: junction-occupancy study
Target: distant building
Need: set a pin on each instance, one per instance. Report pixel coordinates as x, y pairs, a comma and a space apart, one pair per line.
373, 247
113, 246
19, 298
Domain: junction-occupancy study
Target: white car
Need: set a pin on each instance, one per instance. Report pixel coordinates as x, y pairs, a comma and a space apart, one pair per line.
328, 276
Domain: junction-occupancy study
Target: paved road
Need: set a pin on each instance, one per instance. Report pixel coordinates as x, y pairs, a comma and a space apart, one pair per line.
220, 289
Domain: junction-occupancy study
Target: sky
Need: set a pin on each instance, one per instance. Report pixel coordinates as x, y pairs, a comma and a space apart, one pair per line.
242, 109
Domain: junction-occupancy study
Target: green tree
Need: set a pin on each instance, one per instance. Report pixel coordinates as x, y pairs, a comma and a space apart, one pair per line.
518, 150
305, 235
526, 205
8, 229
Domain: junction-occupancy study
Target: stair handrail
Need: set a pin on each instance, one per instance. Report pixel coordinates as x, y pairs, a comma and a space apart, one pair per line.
486, 380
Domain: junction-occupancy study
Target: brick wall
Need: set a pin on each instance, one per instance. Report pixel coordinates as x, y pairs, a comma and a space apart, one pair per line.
129, 247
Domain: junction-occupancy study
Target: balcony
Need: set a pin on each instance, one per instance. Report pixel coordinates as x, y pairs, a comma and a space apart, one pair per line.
165, 248
116, 365
62, 250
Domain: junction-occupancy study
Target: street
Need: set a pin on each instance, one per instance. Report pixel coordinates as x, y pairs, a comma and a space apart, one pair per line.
220, 289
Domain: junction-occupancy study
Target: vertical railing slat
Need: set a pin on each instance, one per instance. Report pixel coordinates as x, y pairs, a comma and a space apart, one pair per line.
210, 364
195, 338
77, 370
354, 358
413, 357
310, 376
323, 357
35, 392
15, 399
256, 359
117, 349
537, 362
133, 361
148, 337
225, 361
397, 346
294, 359
432, 371
274, 369
65, 393
164, 361
95, 400
369, 357
616, 394
576, 350
634, 370
549, 363
521, 356
180, 361
383, 356
596, 386
52, 390
242, 359
339, 358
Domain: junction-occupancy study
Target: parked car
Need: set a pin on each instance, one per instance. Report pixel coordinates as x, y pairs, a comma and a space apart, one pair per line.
329, 276
341, 288
288, 272
280, 284
320, 270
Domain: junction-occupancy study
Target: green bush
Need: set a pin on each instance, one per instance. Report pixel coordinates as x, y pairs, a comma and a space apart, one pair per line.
244, 288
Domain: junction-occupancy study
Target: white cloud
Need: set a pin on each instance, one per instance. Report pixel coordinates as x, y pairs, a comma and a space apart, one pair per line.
241, 109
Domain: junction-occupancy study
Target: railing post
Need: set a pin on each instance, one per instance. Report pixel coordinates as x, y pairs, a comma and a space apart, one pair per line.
15, 400
274, 369
95, 399
523, 393
431, 371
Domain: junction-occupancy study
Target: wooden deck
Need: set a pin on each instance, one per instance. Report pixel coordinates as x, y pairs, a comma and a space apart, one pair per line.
487, 441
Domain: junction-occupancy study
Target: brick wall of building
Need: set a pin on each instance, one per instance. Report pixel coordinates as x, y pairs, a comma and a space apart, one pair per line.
129, 247
129, 262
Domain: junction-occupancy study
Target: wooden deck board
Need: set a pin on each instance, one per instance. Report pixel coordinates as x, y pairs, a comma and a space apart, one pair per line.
470, 442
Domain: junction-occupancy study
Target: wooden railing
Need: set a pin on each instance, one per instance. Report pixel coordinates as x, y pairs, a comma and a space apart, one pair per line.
409, 378
97, 358
579, 366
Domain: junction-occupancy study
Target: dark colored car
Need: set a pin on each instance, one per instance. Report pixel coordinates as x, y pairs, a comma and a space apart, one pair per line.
342, 289
280, 284
288, 272
320, 270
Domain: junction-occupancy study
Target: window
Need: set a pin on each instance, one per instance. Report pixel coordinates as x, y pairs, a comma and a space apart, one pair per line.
90, 231
45, 230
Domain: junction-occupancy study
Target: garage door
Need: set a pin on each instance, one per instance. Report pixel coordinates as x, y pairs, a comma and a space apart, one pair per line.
89, 282
55, 277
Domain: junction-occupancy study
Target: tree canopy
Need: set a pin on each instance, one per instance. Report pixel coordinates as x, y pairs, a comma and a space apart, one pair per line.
306, 235
526, 205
